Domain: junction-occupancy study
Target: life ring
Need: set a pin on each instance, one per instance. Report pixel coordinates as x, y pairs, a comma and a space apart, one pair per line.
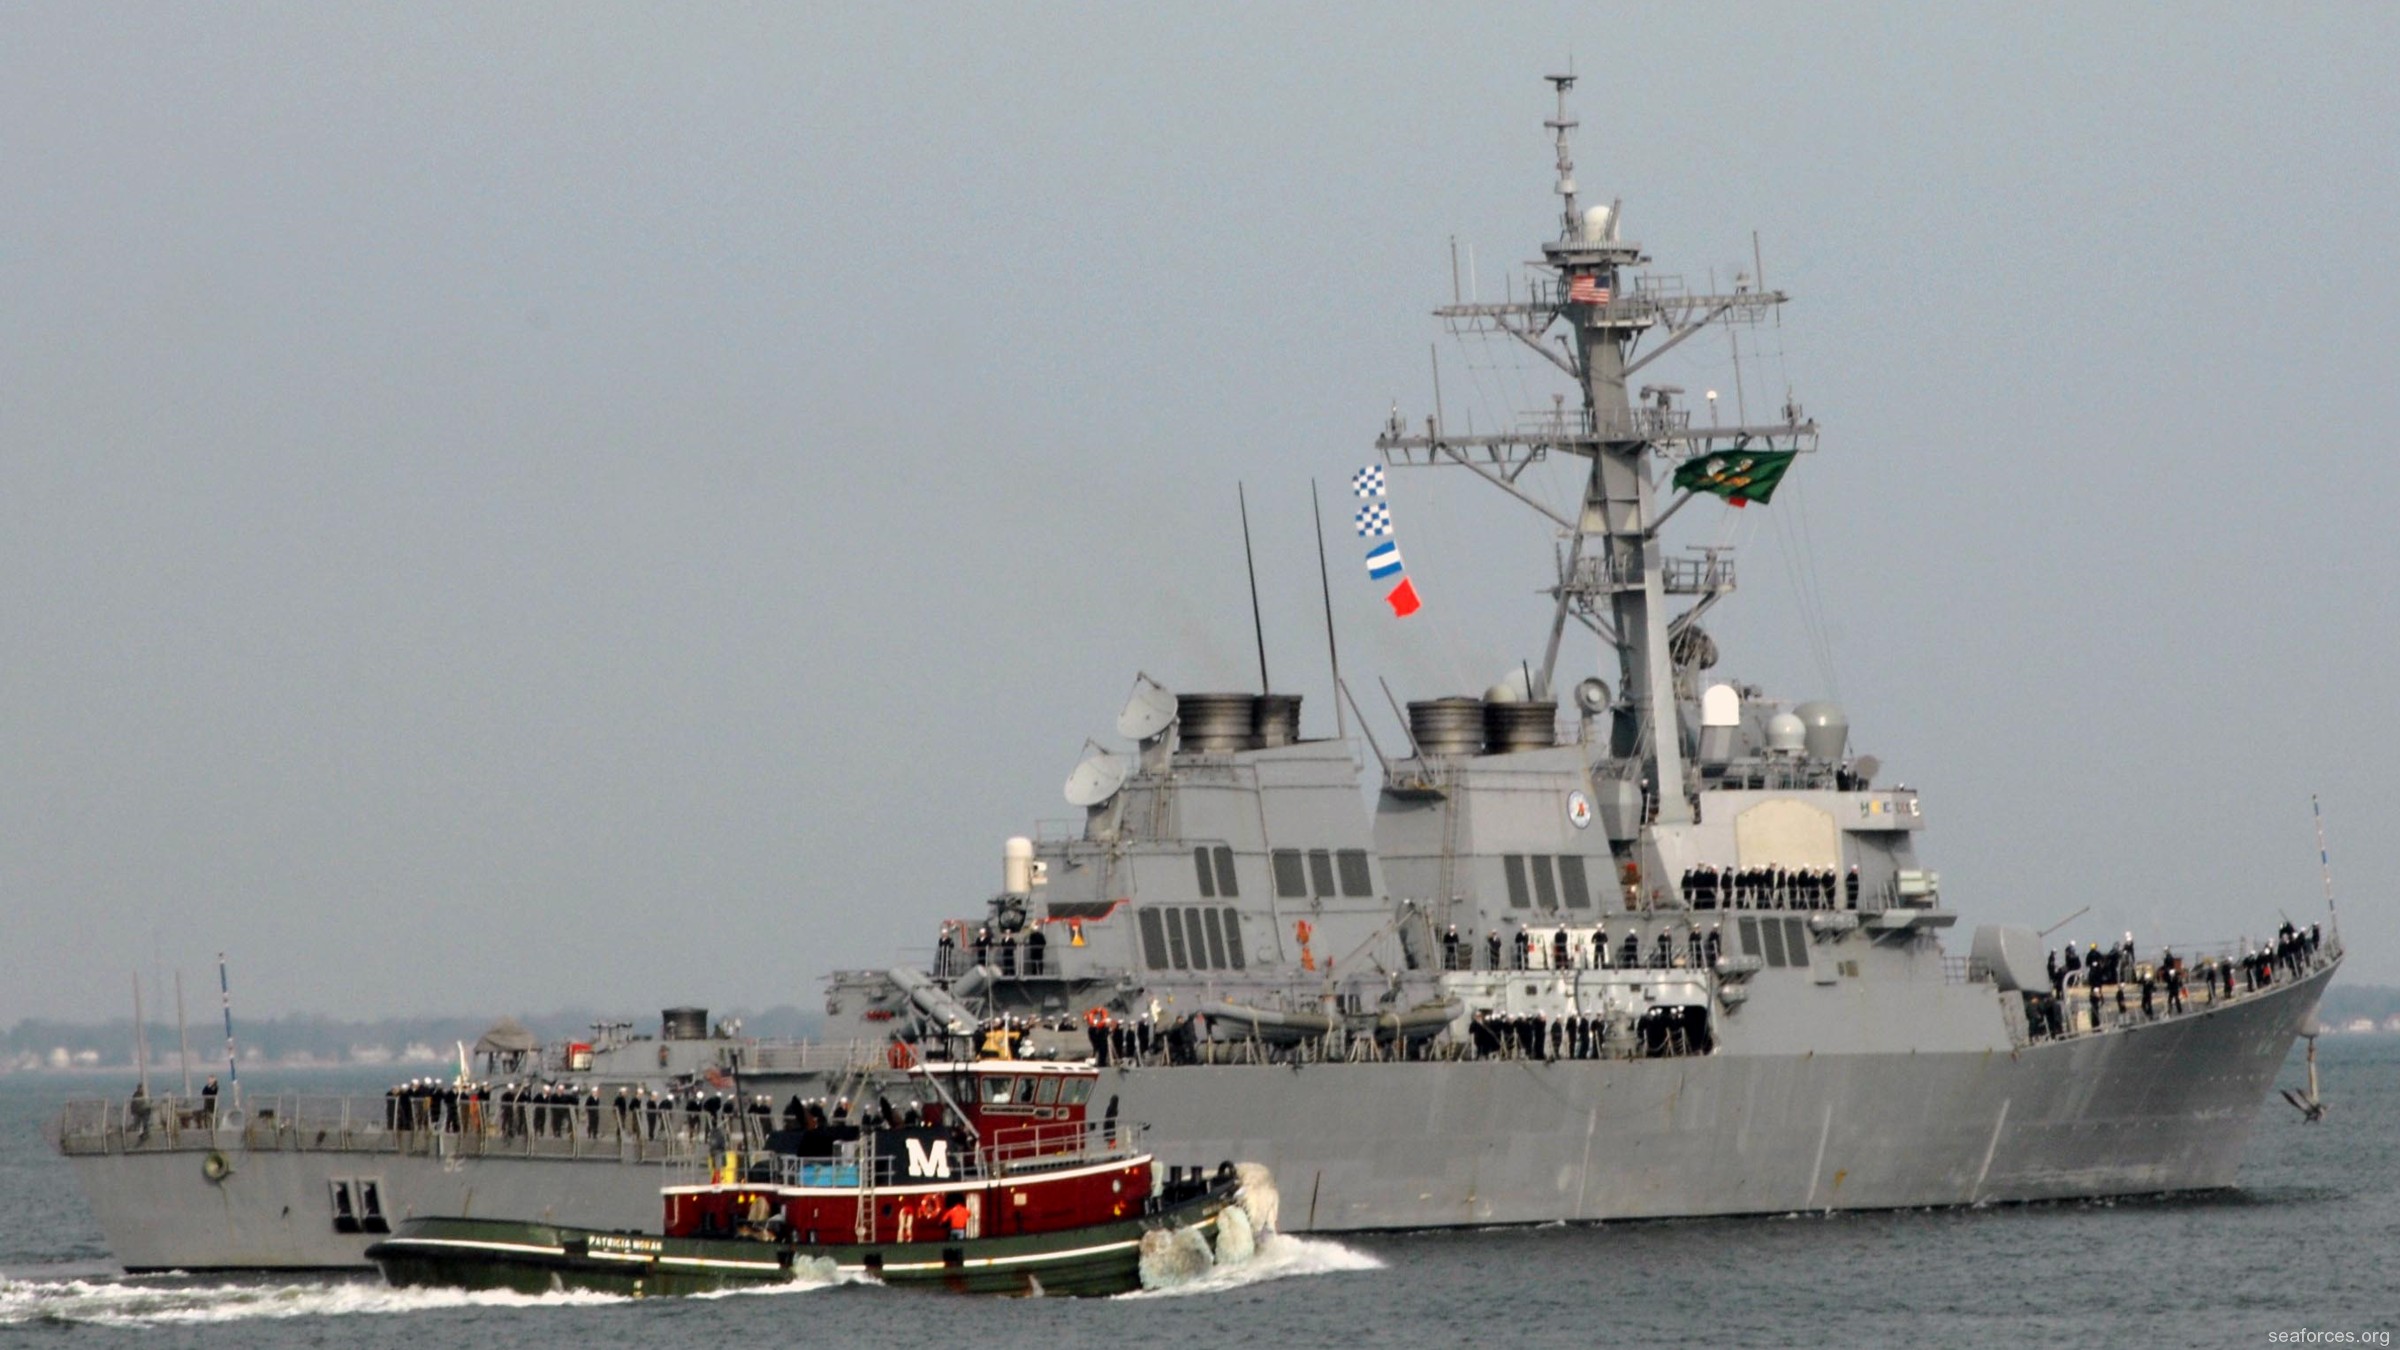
930, 1206
215, 1166
899, 1056
1095, 1016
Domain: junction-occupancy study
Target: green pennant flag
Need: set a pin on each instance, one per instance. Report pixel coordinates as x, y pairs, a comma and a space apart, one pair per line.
1739, 476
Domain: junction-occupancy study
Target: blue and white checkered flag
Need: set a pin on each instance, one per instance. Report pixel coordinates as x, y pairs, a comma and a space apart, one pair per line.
1368, 482
1374, 520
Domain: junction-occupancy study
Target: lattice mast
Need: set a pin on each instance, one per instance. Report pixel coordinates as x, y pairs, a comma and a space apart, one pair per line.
1614, 577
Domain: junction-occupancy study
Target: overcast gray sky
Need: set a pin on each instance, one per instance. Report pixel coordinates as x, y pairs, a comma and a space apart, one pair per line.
508, 506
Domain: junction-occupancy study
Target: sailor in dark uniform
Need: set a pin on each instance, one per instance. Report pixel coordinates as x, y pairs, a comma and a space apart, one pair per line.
1450, 947
1036, 946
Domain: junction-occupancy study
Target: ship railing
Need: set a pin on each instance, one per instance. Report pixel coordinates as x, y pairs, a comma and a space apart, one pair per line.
2079, 1013
800, 1056
1015, 1152
310, 1123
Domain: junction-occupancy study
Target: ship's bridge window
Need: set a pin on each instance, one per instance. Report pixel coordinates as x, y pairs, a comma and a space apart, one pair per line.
1320, 870
1356, 880
1512, 866
1226, 886
1208, 875
1291, 880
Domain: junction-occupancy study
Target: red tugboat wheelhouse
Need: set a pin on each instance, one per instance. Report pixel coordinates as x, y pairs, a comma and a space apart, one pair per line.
1008, 1186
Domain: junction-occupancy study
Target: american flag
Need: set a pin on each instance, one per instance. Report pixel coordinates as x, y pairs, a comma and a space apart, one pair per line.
1585, 289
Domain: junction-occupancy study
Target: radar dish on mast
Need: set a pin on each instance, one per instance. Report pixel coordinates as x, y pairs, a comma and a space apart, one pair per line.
1591, 695
1150, 711
1096, 779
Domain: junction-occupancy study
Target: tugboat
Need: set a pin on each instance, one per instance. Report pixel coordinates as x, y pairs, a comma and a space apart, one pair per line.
999, 1184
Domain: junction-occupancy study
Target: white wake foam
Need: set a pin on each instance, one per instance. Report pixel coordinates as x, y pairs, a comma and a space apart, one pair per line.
132, 1303
1279, 1256
137, 1303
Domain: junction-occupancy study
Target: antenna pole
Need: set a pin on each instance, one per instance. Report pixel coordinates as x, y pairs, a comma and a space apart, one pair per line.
1257, 624
183, 1036
2333, 920
141, 1039
233, 1066
1333, 650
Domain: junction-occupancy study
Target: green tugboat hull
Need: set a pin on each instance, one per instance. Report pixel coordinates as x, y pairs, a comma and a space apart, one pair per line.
539, 1258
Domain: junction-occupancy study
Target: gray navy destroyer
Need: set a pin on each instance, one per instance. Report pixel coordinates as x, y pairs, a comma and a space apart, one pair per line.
1635, 942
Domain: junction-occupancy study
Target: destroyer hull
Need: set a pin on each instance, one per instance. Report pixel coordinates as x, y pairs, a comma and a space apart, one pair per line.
2151, 1109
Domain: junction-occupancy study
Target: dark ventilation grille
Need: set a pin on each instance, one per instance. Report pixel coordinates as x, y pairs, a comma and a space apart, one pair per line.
1226, 885
1512, 866
1208, 880
1196, 938
1154, 941
1216, 939
1291, 879
1233, 937
1320, 870
1355, 878
1545, 886
1571, 882
1176, 951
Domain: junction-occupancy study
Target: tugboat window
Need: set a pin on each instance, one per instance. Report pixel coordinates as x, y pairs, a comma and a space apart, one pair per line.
1320, 870
998, 1089
1045, 1091
1226, 885
1356, 880
1075, 1092
1512, 866
1208, 879
1291, 883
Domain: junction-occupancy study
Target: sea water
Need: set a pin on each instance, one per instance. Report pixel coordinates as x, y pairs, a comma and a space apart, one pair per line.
2308, 1245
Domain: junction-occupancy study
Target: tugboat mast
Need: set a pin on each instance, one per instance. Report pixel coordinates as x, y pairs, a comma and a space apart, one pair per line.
1615, 578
